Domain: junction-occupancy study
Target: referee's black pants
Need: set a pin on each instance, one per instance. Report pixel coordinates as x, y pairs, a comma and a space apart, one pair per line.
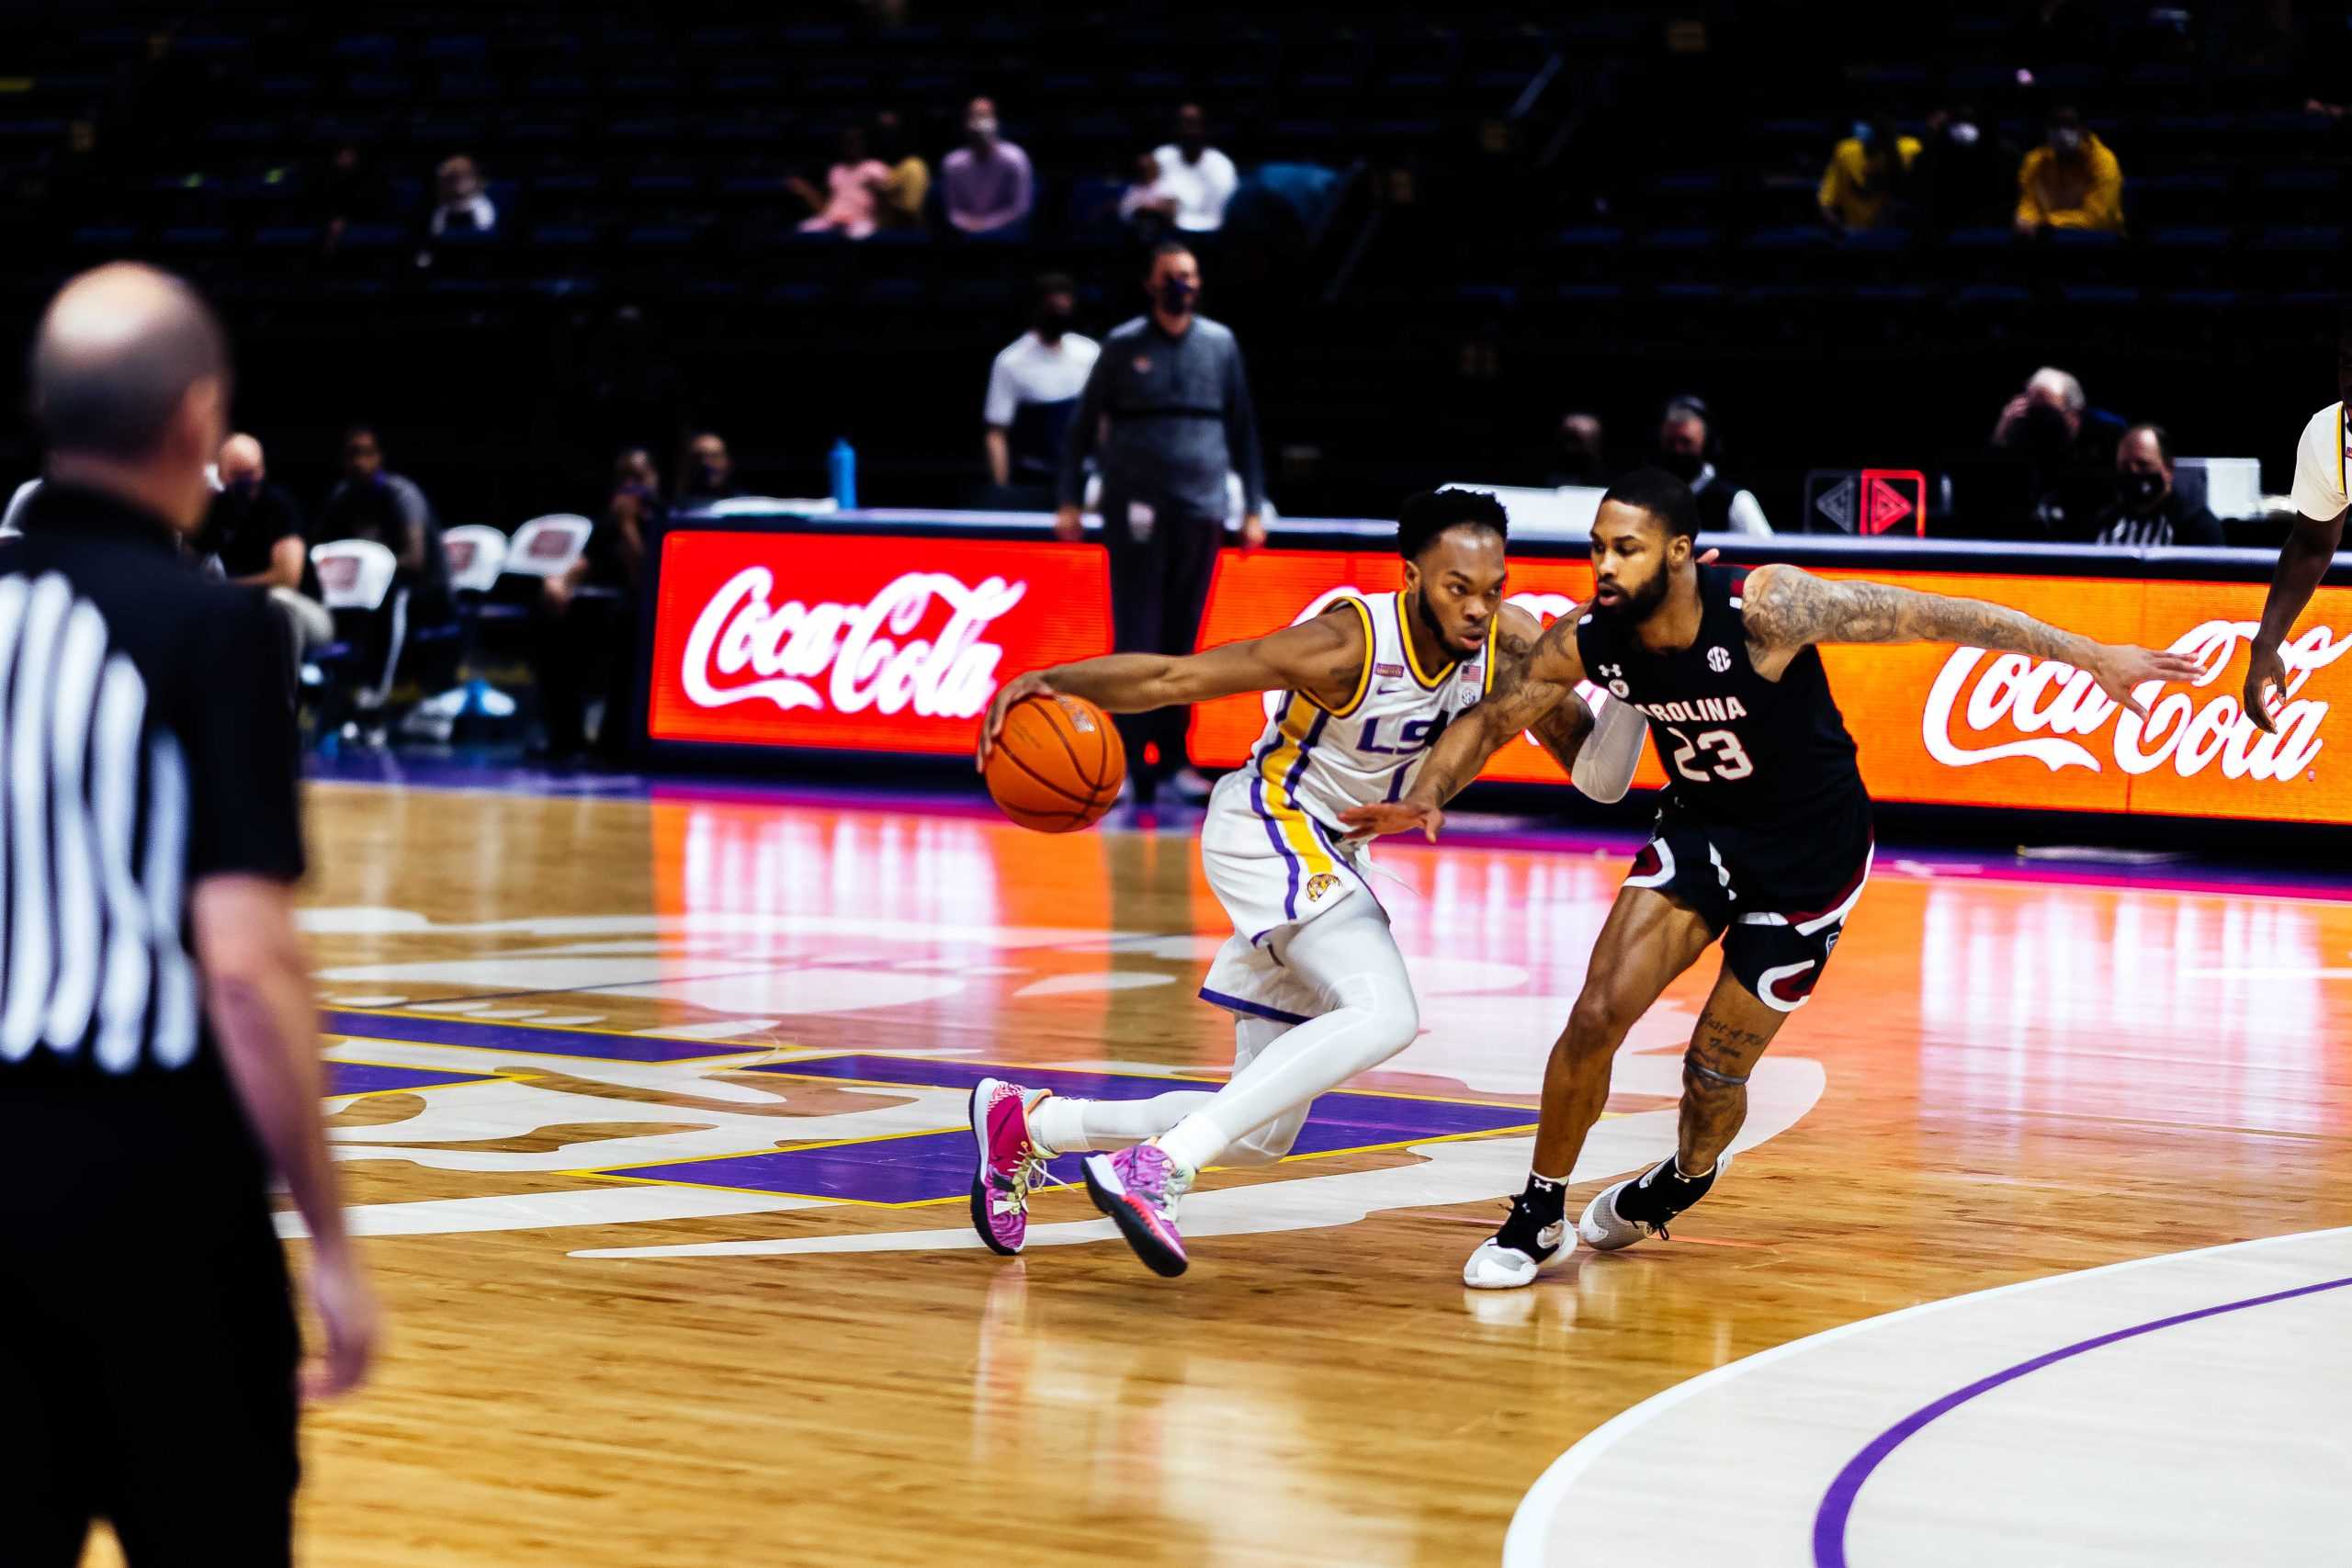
148, 1346
1158, 585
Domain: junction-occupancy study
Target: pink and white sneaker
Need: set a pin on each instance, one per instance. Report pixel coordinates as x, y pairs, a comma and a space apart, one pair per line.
1008, 1167
1138, 1189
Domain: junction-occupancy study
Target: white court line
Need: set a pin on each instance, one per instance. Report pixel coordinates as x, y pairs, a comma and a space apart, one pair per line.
2267, 972
1531, 1526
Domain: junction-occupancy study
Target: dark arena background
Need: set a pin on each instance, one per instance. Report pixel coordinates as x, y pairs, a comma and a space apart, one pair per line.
665, 431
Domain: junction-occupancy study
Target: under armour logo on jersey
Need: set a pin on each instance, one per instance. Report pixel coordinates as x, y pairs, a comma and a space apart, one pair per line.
1719, 659
1613, 672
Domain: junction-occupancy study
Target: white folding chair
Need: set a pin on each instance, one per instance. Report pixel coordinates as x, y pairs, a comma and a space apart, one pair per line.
354, 574
546, 547
477, 554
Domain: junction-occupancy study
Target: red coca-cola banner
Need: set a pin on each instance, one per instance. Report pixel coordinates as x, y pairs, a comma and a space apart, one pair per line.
889, 645
859, 643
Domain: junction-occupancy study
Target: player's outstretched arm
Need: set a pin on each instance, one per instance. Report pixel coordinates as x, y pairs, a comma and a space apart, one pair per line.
1528, 690
2303, 561
1787, 608
1323, 657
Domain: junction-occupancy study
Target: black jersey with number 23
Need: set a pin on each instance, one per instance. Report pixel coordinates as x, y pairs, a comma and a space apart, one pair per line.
1764, 767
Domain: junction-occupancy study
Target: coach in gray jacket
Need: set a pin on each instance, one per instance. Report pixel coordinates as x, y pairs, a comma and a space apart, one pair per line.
1170, 405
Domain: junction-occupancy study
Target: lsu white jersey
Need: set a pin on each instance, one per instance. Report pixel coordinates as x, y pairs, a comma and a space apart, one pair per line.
2321, 489
1314, 762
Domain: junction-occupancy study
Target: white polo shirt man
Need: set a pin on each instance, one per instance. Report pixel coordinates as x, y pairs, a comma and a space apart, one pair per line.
1034, 369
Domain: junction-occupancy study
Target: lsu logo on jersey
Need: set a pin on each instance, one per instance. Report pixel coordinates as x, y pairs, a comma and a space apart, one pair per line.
1320, 883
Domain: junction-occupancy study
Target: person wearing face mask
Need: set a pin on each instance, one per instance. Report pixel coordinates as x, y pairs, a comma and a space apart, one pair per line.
2147, 510
985, 185
1687, 449
1866, 172
1169, 403
2071, 181
1191, 177
251, 534
252, 529
1033, 388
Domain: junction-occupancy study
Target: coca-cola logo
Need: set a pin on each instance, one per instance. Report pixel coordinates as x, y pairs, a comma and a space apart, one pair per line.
849, 657
2048, 702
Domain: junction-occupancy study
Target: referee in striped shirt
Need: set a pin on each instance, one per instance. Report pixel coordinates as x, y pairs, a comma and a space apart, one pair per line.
158, 1048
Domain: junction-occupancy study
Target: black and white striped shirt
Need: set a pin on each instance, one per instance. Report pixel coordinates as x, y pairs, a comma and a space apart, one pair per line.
143, 746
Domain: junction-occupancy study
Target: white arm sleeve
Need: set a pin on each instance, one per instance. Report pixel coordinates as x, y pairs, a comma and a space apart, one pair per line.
2319, 490
1747, 514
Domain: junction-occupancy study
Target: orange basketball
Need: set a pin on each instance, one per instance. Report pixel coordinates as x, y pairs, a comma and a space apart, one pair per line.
1058, 764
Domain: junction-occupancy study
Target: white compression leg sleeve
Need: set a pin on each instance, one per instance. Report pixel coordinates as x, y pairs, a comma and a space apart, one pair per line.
1351, 958
1067, 1125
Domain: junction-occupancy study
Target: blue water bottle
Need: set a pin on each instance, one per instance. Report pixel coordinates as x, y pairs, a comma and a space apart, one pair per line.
844, 470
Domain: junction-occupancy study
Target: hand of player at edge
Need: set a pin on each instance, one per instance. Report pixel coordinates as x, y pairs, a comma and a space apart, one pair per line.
1030, 685
2120, 670
1392, 817
2266, 686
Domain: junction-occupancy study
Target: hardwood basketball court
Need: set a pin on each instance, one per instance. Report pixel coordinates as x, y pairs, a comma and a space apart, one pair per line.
652, 1109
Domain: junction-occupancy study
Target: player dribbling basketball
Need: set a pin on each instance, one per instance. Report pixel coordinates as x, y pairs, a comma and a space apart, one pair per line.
1312, 975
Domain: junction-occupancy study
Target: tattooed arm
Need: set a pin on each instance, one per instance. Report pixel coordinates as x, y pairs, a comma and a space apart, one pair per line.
1323, 658
1531, 691
1787, 609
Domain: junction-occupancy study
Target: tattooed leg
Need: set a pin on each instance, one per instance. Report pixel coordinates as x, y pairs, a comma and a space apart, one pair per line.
1733, 1032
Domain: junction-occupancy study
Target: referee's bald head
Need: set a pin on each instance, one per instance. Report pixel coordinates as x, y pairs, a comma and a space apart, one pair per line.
130, 365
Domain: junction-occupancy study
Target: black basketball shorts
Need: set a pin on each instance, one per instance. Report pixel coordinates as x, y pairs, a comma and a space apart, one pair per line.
1776, 944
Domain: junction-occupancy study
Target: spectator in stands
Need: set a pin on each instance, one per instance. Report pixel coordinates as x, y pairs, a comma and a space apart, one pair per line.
985, 183
1033, 388
2071, 181
252, 529
708, 474
1170, 402
1963, 176
2148, 510
2053, 417
1194, 180
252, 533
898, 203
634, 466
2068, 446
1578, 455
1688, 449
350, 189
369, 504
1866, 174
1148, 206
852, 199
583, 629
461, 205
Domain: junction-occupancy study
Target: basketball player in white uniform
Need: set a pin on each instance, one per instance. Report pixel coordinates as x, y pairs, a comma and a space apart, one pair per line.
1312, 976
2321, 460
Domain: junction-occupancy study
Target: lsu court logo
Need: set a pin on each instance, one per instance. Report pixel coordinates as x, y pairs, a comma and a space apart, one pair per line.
574, 1130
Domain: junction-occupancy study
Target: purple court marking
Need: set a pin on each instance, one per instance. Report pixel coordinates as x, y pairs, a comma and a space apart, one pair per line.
374, 1078
1838, 1504
521, 1038
929, 1167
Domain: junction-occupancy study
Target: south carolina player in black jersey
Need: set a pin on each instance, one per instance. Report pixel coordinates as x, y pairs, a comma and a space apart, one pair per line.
1764, 839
